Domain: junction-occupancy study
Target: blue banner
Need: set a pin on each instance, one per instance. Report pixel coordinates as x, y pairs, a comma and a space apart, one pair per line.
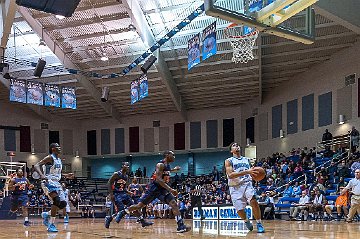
209, 41
52, 95
68, 97
143, 87
35, 93
18, 90
257, 5
194, 51
134, 91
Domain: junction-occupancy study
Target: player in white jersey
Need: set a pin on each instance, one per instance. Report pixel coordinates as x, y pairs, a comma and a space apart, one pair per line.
66, 210
51, 184
239, 172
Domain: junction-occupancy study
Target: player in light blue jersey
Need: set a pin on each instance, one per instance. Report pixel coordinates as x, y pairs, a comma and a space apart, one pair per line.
239, 172
51, 184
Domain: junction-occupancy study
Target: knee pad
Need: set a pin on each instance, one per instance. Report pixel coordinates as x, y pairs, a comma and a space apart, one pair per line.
57, 202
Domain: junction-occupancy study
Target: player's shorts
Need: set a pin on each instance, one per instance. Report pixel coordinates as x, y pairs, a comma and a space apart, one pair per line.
136, 199
241, 195
122, 200
53, 186
19, 201
158, 192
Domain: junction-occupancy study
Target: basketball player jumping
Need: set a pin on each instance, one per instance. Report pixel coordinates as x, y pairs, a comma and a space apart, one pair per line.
19, 198
119, 194
159, 188
51, 185
242, 192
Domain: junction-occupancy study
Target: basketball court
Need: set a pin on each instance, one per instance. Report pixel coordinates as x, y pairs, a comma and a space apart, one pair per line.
82, 229
261, 44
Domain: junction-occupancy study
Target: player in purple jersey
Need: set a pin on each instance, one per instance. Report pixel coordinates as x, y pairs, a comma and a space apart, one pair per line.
121, 197
19, 198
160, 189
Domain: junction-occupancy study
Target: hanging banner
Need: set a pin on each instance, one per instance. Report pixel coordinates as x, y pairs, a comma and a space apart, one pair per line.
194, 51
35, 93
143, 87
68, 97
209, 41
18, 90
52, 95
134, 91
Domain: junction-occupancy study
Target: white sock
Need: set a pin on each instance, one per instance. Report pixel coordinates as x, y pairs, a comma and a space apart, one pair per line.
52, 220
258, 221
26, 219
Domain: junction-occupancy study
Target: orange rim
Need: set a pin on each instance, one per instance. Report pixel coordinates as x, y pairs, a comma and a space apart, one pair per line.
243, 36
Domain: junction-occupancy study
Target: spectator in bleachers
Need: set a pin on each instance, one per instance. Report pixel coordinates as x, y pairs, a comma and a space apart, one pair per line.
343, 170
328, 208
318, 204
355, 165
354, 136
216, 174
264, 204
91, 211
298, 170
332, 168
342, 204
270, 185
84, 211
354, 188
288, 191
297, 190
341, 185
302, 206
327, 136
138, 173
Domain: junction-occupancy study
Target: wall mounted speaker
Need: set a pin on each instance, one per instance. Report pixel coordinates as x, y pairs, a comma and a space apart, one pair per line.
148, 64
39, 67
105, 93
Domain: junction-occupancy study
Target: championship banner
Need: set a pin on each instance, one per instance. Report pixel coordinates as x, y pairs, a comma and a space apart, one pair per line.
52, 95
68, 97
209, 41
18, 90
194, 51
134, 91
143, 87
35, 93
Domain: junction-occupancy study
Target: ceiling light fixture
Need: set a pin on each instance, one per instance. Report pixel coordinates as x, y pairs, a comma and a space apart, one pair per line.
104, 57
60, 17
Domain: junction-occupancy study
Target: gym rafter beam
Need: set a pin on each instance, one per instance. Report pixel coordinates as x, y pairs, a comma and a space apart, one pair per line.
147, 36
83, 80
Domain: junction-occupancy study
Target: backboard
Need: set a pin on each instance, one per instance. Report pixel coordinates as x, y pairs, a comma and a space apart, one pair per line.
290, 19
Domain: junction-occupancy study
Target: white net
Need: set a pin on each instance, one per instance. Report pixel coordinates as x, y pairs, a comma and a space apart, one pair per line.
243, 45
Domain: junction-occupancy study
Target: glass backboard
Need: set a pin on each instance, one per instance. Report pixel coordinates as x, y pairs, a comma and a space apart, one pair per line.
276, 17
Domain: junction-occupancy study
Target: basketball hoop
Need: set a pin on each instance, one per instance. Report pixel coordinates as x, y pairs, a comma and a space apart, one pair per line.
242, 44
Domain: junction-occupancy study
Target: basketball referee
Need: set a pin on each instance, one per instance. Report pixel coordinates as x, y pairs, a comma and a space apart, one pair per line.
196, 193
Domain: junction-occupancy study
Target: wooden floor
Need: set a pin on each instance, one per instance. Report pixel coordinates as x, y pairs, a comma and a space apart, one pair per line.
89, 228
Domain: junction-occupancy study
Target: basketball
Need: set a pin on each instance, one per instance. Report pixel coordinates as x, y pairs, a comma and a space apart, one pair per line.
261, 174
